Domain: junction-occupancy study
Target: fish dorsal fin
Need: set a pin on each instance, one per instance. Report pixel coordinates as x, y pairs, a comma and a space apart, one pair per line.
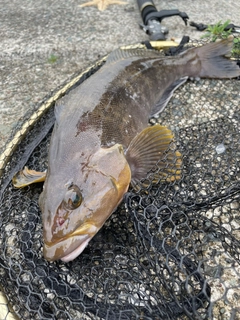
147, 149
159, 107
121, 54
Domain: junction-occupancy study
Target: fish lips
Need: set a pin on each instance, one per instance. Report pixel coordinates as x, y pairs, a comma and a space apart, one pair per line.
68, 248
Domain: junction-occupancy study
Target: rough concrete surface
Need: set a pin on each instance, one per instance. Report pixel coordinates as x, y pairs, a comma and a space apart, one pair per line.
32, 32
43, 43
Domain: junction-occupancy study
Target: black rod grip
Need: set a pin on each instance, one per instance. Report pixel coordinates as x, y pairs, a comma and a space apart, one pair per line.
146, 7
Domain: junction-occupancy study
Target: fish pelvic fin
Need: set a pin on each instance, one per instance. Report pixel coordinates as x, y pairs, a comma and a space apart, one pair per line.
26, 177
150, 151
212, 59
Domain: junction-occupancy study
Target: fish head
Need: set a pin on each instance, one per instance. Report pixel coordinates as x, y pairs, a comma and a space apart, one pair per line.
75, 203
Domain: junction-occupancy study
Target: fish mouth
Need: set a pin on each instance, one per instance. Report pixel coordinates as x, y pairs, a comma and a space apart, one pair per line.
71, 246
72, 255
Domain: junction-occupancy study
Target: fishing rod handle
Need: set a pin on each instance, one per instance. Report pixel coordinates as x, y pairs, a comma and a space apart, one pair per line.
146, 7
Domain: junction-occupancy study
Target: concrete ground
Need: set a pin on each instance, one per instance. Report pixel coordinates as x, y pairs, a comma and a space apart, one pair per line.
43, 43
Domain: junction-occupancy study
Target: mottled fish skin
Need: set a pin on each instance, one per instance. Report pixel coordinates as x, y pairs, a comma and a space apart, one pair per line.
116, 108
95, 124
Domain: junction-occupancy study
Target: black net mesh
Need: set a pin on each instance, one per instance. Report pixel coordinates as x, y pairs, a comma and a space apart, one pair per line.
170, 251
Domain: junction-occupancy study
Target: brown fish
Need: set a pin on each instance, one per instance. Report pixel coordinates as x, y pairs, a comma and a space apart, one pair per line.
101, 139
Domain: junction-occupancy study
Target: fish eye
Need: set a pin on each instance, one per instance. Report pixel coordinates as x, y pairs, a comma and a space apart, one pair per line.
73, 197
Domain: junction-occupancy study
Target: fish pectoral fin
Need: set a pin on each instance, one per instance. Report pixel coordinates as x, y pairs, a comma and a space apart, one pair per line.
161, 104
168, 168
26, 177
151, 149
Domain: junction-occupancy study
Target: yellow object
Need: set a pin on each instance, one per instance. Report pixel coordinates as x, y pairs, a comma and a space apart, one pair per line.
102, 4
163, 44
158, 45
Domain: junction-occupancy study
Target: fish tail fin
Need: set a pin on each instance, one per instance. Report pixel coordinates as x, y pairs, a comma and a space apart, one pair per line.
212, 60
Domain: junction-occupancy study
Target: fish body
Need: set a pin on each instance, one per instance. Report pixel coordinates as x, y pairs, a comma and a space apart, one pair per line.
101, 139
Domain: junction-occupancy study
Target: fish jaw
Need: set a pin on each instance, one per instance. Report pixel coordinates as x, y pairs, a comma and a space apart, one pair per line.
108, 178
67, 249
72, 255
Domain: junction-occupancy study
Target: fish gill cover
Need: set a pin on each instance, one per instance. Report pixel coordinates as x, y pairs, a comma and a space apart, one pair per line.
170, 251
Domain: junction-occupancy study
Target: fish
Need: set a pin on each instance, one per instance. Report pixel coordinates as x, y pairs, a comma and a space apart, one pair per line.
102, 141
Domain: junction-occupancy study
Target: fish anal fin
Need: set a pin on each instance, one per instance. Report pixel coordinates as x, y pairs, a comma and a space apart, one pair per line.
26, 177
161, 104
151, 149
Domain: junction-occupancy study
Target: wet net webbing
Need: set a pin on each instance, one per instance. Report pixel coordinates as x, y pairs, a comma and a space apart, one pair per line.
170, 251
